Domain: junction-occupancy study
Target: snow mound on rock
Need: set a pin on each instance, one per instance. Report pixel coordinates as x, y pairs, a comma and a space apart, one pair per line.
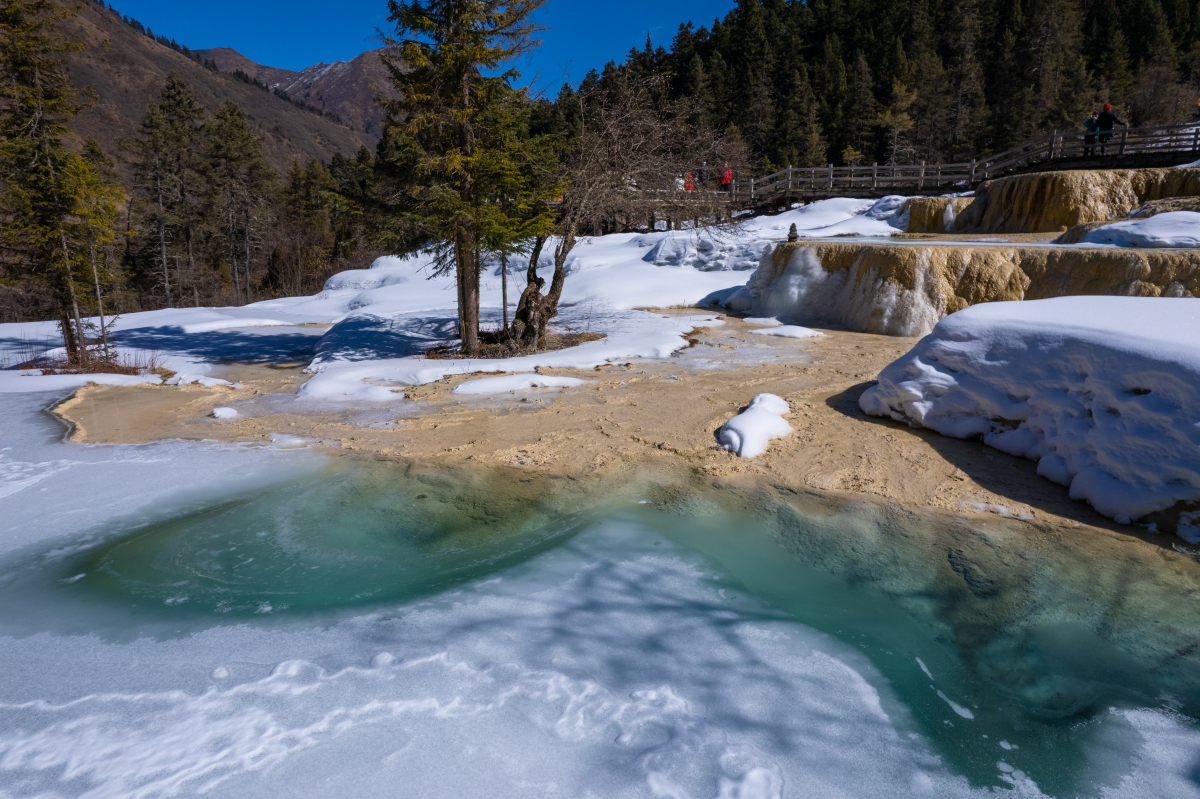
1103, 392
1172, 229
748, 433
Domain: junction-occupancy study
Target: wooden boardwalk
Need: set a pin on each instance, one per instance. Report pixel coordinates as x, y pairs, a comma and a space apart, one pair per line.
1126, 148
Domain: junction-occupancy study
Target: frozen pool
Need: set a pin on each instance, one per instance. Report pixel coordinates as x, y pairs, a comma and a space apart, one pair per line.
189, 618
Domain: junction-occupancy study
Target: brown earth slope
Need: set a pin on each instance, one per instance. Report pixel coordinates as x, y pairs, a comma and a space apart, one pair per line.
345, 88
126, 68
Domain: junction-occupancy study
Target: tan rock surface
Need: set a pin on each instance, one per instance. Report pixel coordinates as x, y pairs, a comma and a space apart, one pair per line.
1054, 202
658, 415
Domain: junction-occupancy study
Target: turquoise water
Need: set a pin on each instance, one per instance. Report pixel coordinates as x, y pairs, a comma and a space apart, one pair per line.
1003, 677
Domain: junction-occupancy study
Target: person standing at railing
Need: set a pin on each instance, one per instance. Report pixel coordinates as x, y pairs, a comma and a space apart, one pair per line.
1108, 120
1089, 140
726, 178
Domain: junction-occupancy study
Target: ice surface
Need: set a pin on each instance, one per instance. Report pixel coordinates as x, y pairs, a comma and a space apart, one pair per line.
1104, 392
788, 331
617, 664
1172, 229
749, 433
497, 385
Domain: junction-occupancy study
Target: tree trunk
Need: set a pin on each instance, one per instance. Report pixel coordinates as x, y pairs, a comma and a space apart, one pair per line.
100, 304
249, 297
504, 287
76, 349
162, 239
192, 269
468, 277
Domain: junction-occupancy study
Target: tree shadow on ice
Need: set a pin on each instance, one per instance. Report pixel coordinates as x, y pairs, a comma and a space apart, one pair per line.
998, 472
241, 346
370, 338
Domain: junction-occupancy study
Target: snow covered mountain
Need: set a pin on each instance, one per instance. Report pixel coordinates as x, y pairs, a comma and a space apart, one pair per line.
345, 88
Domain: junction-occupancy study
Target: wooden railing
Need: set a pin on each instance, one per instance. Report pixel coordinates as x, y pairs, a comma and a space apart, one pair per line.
1051, 150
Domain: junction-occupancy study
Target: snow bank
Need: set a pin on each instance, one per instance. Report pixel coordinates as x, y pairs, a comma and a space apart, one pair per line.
1172, 229
748, 433
499, 385
1103, 392
229, 323
32, 380
630, 334
788, 331
224, 413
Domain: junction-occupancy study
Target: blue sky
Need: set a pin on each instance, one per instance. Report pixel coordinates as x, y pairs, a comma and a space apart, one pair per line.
583, 34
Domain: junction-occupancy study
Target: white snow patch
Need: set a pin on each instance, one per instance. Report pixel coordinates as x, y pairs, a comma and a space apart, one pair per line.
957, 708
788, 331
748, 433
224, 413
1103, 392
1172, 229
499, 385
762, 321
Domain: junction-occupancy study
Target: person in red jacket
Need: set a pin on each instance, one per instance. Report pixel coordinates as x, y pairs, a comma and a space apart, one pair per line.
726, 178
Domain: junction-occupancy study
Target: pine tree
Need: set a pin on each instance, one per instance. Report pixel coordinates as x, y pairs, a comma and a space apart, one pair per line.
56, 207
240, 184
861, 110
441, 61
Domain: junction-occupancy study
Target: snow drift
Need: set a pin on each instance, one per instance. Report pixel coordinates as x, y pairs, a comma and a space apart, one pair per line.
1103, 392
749, 433
1172, 229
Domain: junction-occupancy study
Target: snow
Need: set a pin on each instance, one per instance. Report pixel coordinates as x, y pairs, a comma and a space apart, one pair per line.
224, 413
748, 433
788, 331
762, 321
32, 380
498, 385
1172, 229
1103, 392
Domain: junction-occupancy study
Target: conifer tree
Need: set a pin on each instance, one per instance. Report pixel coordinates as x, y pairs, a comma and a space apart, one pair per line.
240, 184
55, 206
440, 61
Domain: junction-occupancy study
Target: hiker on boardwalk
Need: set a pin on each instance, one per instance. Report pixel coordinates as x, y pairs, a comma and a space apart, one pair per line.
726, 178
1089, 140
1108, 120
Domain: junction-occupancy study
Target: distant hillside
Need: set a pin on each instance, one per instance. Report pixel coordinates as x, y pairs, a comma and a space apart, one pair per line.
343, 88
126, 68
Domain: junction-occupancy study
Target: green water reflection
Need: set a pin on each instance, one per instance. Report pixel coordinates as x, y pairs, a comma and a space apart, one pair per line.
351, 537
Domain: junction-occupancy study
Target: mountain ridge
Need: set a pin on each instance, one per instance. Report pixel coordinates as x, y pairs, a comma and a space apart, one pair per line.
126, 69
344, 88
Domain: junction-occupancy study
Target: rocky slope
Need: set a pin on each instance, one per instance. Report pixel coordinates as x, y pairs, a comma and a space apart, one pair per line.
1054, 202
905, 289
345, 88
125, 69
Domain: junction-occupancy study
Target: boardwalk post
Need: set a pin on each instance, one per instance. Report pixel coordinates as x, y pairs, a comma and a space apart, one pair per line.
1121, 149
921, 177
751, 189
1196, 140
971, 179
789, 188
831, 177
875, 175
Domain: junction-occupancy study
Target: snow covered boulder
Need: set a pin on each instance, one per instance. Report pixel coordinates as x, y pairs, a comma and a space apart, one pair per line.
1172, 229
748, 433
1103, 392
